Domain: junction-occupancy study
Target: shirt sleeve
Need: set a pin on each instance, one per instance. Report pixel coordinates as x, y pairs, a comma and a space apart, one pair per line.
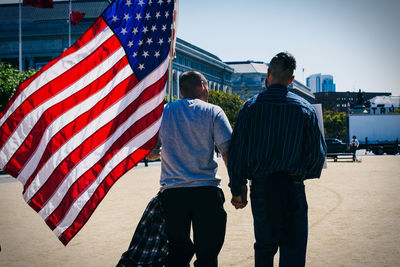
222, 131
237, 154
314, 147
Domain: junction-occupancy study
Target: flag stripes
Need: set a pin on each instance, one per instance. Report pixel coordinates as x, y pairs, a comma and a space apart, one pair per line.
79, 124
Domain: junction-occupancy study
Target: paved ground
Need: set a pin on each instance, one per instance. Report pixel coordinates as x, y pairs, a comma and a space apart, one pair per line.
354, 220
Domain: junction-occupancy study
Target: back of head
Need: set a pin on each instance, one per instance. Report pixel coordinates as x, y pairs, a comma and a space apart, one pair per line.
282, 67
190, 84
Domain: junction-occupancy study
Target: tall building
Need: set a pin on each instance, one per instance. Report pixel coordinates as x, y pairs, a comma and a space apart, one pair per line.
320, 83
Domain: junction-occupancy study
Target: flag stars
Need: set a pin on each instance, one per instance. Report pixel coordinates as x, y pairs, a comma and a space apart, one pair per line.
166, 14
145, 54
157, 54
130, 44
123, 31
141, 3
161, 41
114, 18
160, 2
169, 40
138, 16
164, 28
147, 16
158, 15
135, 31
140, 43
134, 55
169, 1
128, 3
126, 17
153, 28
141, 66
149, 41
145, 30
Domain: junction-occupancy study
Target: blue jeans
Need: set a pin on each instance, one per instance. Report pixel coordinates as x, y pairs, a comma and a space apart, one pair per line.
266, 245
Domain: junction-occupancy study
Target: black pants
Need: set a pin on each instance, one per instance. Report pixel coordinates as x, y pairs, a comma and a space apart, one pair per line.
202, 207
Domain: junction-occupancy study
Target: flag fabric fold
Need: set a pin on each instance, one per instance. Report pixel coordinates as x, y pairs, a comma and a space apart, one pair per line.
90, 115
39, 3
76, 17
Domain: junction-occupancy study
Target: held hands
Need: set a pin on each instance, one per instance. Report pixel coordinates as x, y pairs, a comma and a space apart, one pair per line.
239, 202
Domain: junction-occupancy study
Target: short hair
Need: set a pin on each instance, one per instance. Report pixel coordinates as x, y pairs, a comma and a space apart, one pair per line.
282, 66
189, 81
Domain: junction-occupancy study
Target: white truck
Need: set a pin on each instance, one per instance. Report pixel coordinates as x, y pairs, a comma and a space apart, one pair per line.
377, 133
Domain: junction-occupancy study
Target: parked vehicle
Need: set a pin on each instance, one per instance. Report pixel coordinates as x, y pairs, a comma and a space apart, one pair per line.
334, 145
377, 133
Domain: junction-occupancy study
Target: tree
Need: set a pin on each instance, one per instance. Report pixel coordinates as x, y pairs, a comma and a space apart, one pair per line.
335, 124
228, 102
10, 79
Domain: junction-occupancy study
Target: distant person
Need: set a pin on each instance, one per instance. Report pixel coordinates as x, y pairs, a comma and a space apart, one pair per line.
276, 144
191, 192
354, 144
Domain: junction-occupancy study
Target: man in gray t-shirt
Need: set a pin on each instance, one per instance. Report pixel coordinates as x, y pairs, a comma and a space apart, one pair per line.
191, 192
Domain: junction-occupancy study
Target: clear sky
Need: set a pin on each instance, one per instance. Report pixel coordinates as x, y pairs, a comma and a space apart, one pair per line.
356, 41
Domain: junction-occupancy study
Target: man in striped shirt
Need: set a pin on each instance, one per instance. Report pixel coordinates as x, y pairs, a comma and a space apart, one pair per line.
276, 144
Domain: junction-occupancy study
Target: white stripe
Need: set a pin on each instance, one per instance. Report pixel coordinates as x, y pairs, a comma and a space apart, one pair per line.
128, 149
42, 176
18, 137
99, 153
68, 117
58, 69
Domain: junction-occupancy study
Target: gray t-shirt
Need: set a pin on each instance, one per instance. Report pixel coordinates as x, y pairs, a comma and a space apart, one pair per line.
189, 130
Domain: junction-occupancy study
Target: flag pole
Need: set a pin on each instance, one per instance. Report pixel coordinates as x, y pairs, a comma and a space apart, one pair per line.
172, 50
20, 38
69, 23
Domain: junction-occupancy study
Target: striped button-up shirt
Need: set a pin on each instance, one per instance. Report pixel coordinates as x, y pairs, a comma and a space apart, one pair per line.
276, 131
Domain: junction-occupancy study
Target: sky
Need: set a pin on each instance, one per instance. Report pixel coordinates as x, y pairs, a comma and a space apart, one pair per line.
356, 41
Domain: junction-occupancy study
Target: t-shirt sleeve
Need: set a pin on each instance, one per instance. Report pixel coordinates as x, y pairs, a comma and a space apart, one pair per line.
222, 131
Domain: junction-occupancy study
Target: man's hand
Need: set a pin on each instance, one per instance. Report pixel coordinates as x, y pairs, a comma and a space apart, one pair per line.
239, 202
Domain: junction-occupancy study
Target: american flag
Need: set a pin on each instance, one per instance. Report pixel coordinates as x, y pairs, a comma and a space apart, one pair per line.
89, 115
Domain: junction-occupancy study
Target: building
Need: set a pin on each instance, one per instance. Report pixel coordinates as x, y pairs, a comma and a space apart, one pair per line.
320, 83
249, 80
45, 35
344, 101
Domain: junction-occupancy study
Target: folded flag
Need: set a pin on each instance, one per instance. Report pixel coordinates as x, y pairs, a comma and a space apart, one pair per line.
76, 17
39, 3
90, 115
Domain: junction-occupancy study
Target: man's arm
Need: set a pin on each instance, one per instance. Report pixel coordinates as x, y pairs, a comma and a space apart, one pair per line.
155, 154
314, 147
237, 160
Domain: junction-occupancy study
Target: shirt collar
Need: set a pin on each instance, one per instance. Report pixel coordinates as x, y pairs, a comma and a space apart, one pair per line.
277, 87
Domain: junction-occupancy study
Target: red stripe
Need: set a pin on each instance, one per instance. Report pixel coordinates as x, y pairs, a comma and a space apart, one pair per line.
30, 144
91, 143
57, 85
97, 27
104, 187
82, 121
86, 180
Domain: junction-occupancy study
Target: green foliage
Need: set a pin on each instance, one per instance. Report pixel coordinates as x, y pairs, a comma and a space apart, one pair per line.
396, 111
229, 103
10, 79
335, 124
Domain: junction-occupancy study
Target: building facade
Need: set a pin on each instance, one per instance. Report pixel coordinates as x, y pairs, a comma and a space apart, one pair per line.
45, 35
320, 83
345, 101
249, 80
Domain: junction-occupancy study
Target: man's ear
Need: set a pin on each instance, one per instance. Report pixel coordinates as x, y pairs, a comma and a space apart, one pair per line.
291, 80
267, 78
